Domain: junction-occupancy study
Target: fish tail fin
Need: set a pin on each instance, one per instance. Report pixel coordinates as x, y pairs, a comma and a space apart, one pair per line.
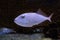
49, 18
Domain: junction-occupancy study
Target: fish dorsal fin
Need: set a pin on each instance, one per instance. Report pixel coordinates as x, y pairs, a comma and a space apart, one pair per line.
41, 12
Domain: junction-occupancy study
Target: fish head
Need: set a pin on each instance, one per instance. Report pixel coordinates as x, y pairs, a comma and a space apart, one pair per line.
22, 20
6, 31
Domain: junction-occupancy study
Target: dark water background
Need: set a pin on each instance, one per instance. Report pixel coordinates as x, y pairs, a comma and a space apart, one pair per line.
9, 9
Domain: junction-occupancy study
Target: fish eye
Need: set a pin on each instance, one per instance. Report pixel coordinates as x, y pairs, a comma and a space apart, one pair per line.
22, 16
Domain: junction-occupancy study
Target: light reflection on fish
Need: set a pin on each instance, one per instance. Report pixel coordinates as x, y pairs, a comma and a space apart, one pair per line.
5, 31
30, 19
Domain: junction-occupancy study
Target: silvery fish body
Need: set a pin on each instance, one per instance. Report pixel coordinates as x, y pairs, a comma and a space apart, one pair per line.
5, 31
30, 19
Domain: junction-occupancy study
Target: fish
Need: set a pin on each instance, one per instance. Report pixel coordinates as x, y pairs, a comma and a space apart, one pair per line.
29, 19
5, 31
